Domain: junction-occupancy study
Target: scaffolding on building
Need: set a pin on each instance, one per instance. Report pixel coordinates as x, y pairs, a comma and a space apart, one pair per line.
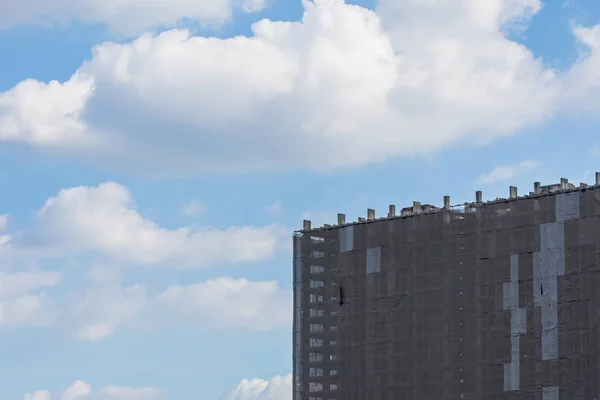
481, 300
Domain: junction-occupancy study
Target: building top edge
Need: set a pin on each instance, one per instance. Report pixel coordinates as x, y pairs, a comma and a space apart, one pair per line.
418, 209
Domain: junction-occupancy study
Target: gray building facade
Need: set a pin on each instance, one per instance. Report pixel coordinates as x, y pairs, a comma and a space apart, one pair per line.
489, 300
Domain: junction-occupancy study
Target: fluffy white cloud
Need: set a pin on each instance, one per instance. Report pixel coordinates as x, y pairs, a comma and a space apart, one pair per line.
583, 80
122, 16
101, 225
102, 220
228, 302
21, 299
344, 86
24, 310
20, 283
506, 172
82, 391
101, 310
277, 388
98, 310
223, 303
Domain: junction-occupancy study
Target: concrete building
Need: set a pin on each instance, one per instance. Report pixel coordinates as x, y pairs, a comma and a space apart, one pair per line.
487, 300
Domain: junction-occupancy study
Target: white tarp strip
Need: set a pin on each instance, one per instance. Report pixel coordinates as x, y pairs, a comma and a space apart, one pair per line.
518, 325
346, 239
552, 246
515, 362
567, 206
374, 260
550, 393
552, 265
518, 321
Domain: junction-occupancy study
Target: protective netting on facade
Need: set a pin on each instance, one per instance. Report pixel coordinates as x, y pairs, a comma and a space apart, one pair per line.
493, 301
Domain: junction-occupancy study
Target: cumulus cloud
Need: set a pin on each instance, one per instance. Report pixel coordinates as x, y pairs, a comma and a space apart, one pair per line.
80, 390
506, 172
583, 80
228, 302
101, 225
28, 310
223, 303
101, 311
102, 220
125, 17
20, 283
277, 388
345, 85
22, 299
105, 306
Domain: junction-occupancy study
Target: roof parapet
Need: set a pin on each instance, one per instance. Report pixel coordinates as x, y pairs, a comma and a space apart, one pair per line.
418, 208
557, 187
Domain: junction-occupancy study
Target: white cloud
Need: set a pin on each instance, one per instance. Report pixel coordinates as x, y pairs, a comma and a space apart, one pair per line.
125, 17
507, 172
130, 393
29, 309
76, 390
253, 5
102, 310
583, 80
228, 302
39, 395
101, 225
102, 220
22, 300
223, 303
277, 388
193, 208
343, 86
3, 222
20, 283
96, 311
80, 390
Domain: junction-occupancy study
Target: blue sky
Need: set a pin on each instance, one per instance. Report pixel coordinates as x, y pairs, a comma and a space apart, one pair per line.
150, 199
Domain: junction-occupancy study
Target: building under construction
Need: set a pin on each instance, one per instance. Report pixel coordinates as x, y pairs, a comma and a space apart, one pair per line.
487, 300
